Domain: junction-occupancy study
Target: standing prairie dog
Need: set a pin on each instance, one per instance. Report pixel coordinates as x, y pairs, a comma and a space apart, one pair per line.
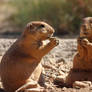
82, 61
20, 67
83, 58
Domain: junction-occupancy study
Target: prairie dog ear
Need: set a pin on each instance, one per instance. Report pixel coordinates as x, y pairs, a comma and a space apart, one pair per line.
29, 26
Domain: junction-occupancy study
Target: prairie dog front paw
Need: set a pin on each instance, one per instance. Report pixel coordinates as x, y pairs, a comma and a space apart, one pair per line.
80, 39
84, 42
54, 41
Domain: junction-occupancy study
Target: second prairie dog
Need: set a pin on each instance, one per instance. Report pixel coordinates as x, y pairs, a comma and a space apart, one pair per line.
83, 58
21, 63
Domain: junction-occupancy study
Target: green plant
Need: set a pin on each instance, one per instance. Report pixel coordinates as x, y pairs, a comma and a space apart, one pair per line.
63, 15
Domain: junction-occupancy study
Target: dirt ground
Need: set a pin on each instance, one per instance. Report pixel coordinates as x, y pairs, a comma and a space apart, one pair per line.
57, 63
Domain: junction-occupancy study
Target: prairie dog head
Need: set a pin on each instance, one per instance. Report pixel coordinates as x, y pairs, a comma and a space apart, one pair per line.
86, 27
38, 30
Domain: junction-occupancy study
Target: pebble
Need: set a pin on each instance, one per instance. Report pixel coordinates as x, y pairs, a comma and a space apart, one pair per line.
60, 78
81, 84
64, 88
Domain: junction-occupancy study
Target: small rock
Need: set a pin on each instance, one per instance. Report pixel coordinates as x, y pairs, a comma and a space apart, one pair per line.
34, 90
91, 87
61, 73
64, 88
60, 78
60, 60
87, 82
48, 86
53, 76
49, 67
81, 84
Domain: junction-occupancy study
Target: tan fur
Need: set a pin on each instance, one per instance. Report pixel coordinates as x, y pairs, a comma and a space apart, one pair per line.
82, 62
83, 58
21, 63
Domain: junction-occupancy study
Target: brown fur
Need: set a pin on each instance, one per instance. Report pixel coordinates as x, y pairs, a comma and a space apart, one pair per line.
21, 63
83, 58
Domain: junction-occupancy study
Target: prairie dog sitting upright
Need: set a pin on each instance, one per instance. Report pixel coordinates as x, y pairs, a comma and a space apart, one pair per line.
20, 66
83, 58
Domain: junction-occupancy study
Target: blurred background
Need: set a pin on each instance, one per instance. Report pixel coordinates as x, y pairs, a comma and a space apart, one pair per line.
64, 15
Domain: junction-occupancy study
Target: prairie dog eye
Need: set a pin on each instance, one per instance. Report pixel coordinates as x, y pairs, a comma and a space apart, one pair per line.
41, 26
